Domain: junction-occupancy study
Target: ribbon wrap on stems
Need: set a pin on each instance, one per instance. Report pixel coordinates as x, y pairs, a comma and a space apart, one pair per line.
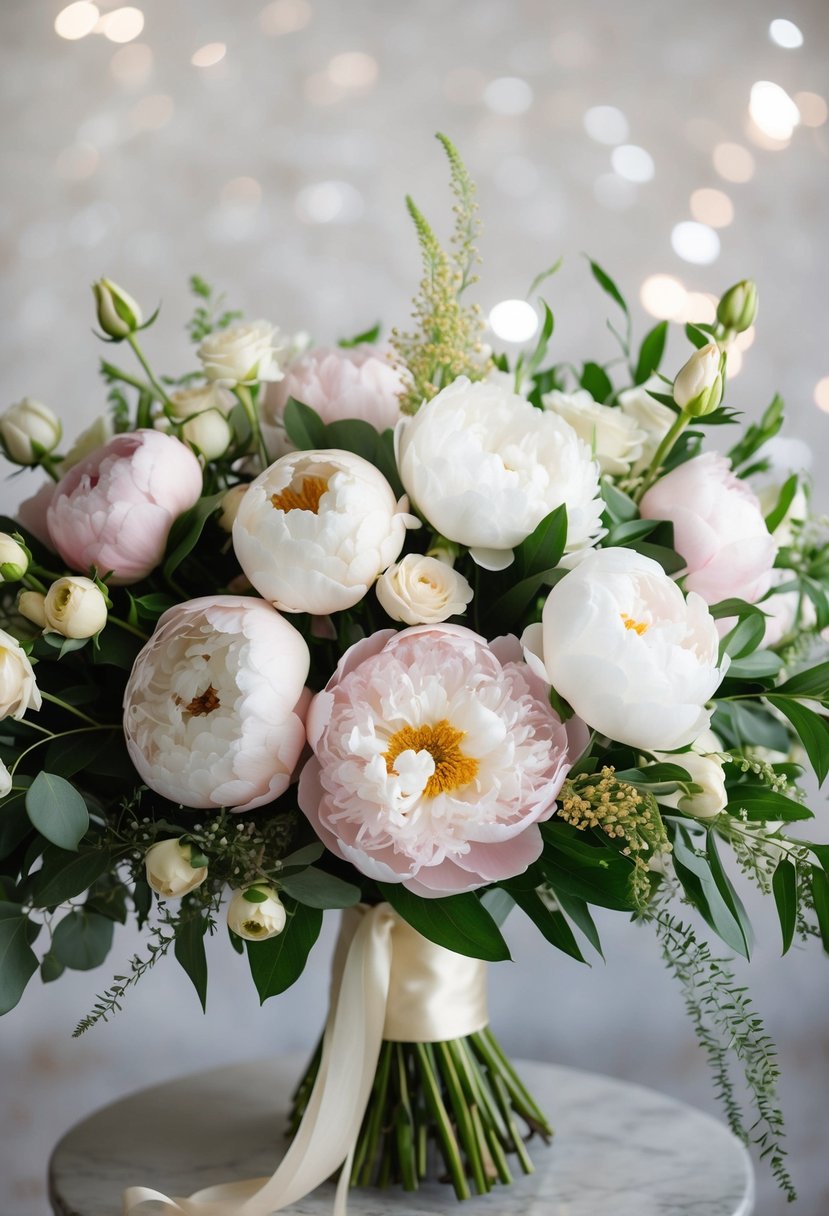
388, 982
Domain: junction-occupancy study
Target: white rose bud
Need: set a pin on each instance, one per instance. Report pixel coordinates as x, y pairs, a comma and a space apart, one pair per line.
14, 560
118, 313
256, 914
18, 689
705, 770
422, 591
27, 426
170, 871
31, 605
75, 607
243, 354
209, 433
737, 310
230, 505
699, 384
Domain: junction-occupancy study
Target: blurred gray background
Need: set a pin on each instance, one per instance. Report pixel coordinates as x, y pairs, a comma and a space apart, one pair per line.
268, 147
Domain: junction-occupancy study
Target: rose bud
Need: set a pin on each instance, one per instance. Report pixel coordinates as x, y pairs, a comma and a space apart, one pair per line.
118, 313
230, 505
422, 591
170, 871
699, 383
31, 605
29, 430
75, 607
256, 914
209, 433
737, 309
14, 560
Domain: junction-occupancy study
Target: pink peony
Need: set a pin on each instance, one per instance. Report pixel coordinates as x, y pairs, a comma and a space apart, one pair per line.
718, 529
213, 707
435, 757
114, 510
355, 383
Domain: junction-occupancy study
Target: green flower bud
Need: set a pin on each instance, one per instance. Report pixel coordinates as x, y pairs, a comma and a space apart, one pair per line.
14, 560
118, 313
698, 387
738, 307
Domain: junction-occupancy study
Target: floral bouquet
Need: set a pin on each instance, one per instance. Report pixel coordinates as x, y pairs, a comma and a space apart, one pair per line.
424, 633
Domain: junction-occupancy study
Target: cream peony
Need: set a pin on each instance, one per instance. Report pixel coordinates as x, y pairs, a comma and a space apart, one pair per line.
18, 688
422, 591
614, 437
484, 467
256, 914
243, 354
75, 607
210, 709
652, 418
316, 528
619, 641
705, 769
169, 870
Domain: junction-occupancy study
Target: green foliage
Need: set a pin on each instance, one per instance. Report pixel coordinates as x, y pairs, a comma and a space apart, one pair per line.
279, 961
367, 338
189, 951
456, 922
82, 940
317, 889
210, 313
651, 352
18, 961
57, 810
535, 565
707, 887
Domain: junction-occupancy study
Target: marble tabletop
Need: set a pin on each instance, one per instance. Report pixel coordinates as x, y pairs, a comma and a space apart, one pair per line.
619, 1150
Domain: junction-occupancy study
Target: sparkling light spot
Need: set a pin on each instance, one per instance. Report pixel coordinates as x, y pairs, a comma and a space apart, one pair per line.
813, 109
208, 56
733, 162
122, 24
632, 163
151, 113
606, 124
663, 296
77, 162
132, 64
695, 242
508, 95
772, 110
712, 207
514, 320
353, 70
700, 308
822, 394
329, 202
285, 17
76, 20
614, 192
786, 34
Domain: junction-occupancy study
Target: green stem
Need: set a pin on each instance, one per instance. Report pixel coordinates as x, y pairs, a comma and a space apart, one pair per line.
157, 387
463, 1119
115, 373
33, 582
70, 709
139, 633
80, 730
663, 450
443, 1124
245, 397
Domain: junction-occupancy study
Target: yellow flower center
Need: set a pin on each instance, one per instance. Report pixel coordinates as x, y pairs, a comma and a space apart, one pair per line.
452, 768
305, 498
639, 627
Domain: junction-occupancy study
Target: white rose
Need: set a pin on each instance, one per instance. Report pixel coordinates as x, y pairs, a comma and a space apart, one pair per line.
25, 425
209, 433
31, 605
698, 383
14, 561
243, 354
704, 769
95, 436
614, 437
75, 607
230, 505
256, 914
18, 689
653, 419
170, 872
5, 780
484, 466
316, 528
422, 591
635, 659
186, 402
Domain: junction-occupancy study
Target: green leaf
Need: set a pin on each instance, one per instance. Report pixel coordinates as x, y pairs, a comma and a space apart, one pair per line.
743, 724
304, 426
187, 529
787, 492
697, 336
57, 810
606, 283
631, 530
812, 730
620, 506
67, 874
368, 336
758, 433
729, 896
813, 682
820, 896
763, 664
759, 803
51, 968
546, 332
597, 874
668, 559
189, 951
784, 888
543, 549
695, 873
734, 607
277, 963
579, 914
82, 940
551, 924
18, 961
457, 922
596, 381
15, 824
744, 638
318, 889
306, 856
651, 352
69, 754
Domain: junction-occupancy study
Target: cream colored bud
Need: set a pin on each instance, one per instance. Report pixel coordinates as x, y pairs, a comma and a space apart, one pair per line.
256, 913
14, 560
170, 872
209, 433
31, 605
28, 430
118, 313
75, 607
230, 505
698, 385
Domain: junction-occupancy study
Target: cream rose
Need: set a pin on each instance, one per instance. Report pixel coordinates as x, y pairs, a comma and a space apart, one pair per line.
705, 769
18, 688
422, 591
256, 914
653, 419
614, 437
75, 607
170, 871
243, 354
26, 426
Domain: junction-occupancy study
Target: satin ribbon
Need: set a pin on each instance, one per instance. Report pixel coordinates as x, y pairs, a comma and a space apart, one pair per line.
388, 982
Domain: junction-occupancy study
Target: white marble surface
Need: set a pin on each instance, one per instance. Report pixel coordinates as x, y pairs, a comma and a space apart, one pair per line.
619, 1150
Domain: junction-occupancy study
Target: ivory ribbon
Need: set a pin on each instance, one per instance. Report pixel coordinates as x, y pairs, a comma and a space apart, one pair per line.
388, 982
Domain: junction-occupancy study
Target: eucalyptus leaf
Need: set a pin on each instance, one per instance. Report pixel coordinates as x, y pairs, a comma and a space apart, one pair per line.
57, 810
82, 940
65, 874
18, 961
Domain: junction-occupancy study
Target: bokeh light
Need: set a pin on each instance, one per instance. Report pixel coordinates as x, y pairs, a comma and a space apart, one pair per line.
785, 33
663, 296
76, 20
694, 242
773, 110
606, 124
712, 207
122, 24
209, 55
513, 320
813, 109
633, 163
285, 17
508, 95
822, 394
733, 162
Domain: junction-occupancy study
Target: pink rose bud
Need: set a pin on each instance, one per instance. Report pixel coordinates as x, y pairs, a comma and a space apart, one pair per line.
114, 510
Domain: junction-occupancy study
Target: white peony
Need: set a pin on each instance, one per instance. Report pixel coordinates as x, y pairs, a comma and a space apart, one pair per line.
18, 689
211, 706
705, 769
422, 591
316, 528
653, 419
243, 354
635, 659
614, 437
75, 607
484, 467
256, 914
169, 870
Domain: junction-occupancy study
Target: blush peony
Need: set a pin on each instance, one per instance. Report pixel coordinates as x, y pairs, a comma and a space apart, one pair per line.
114, 509
719, 529
210, 709
435, 757
635, 659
